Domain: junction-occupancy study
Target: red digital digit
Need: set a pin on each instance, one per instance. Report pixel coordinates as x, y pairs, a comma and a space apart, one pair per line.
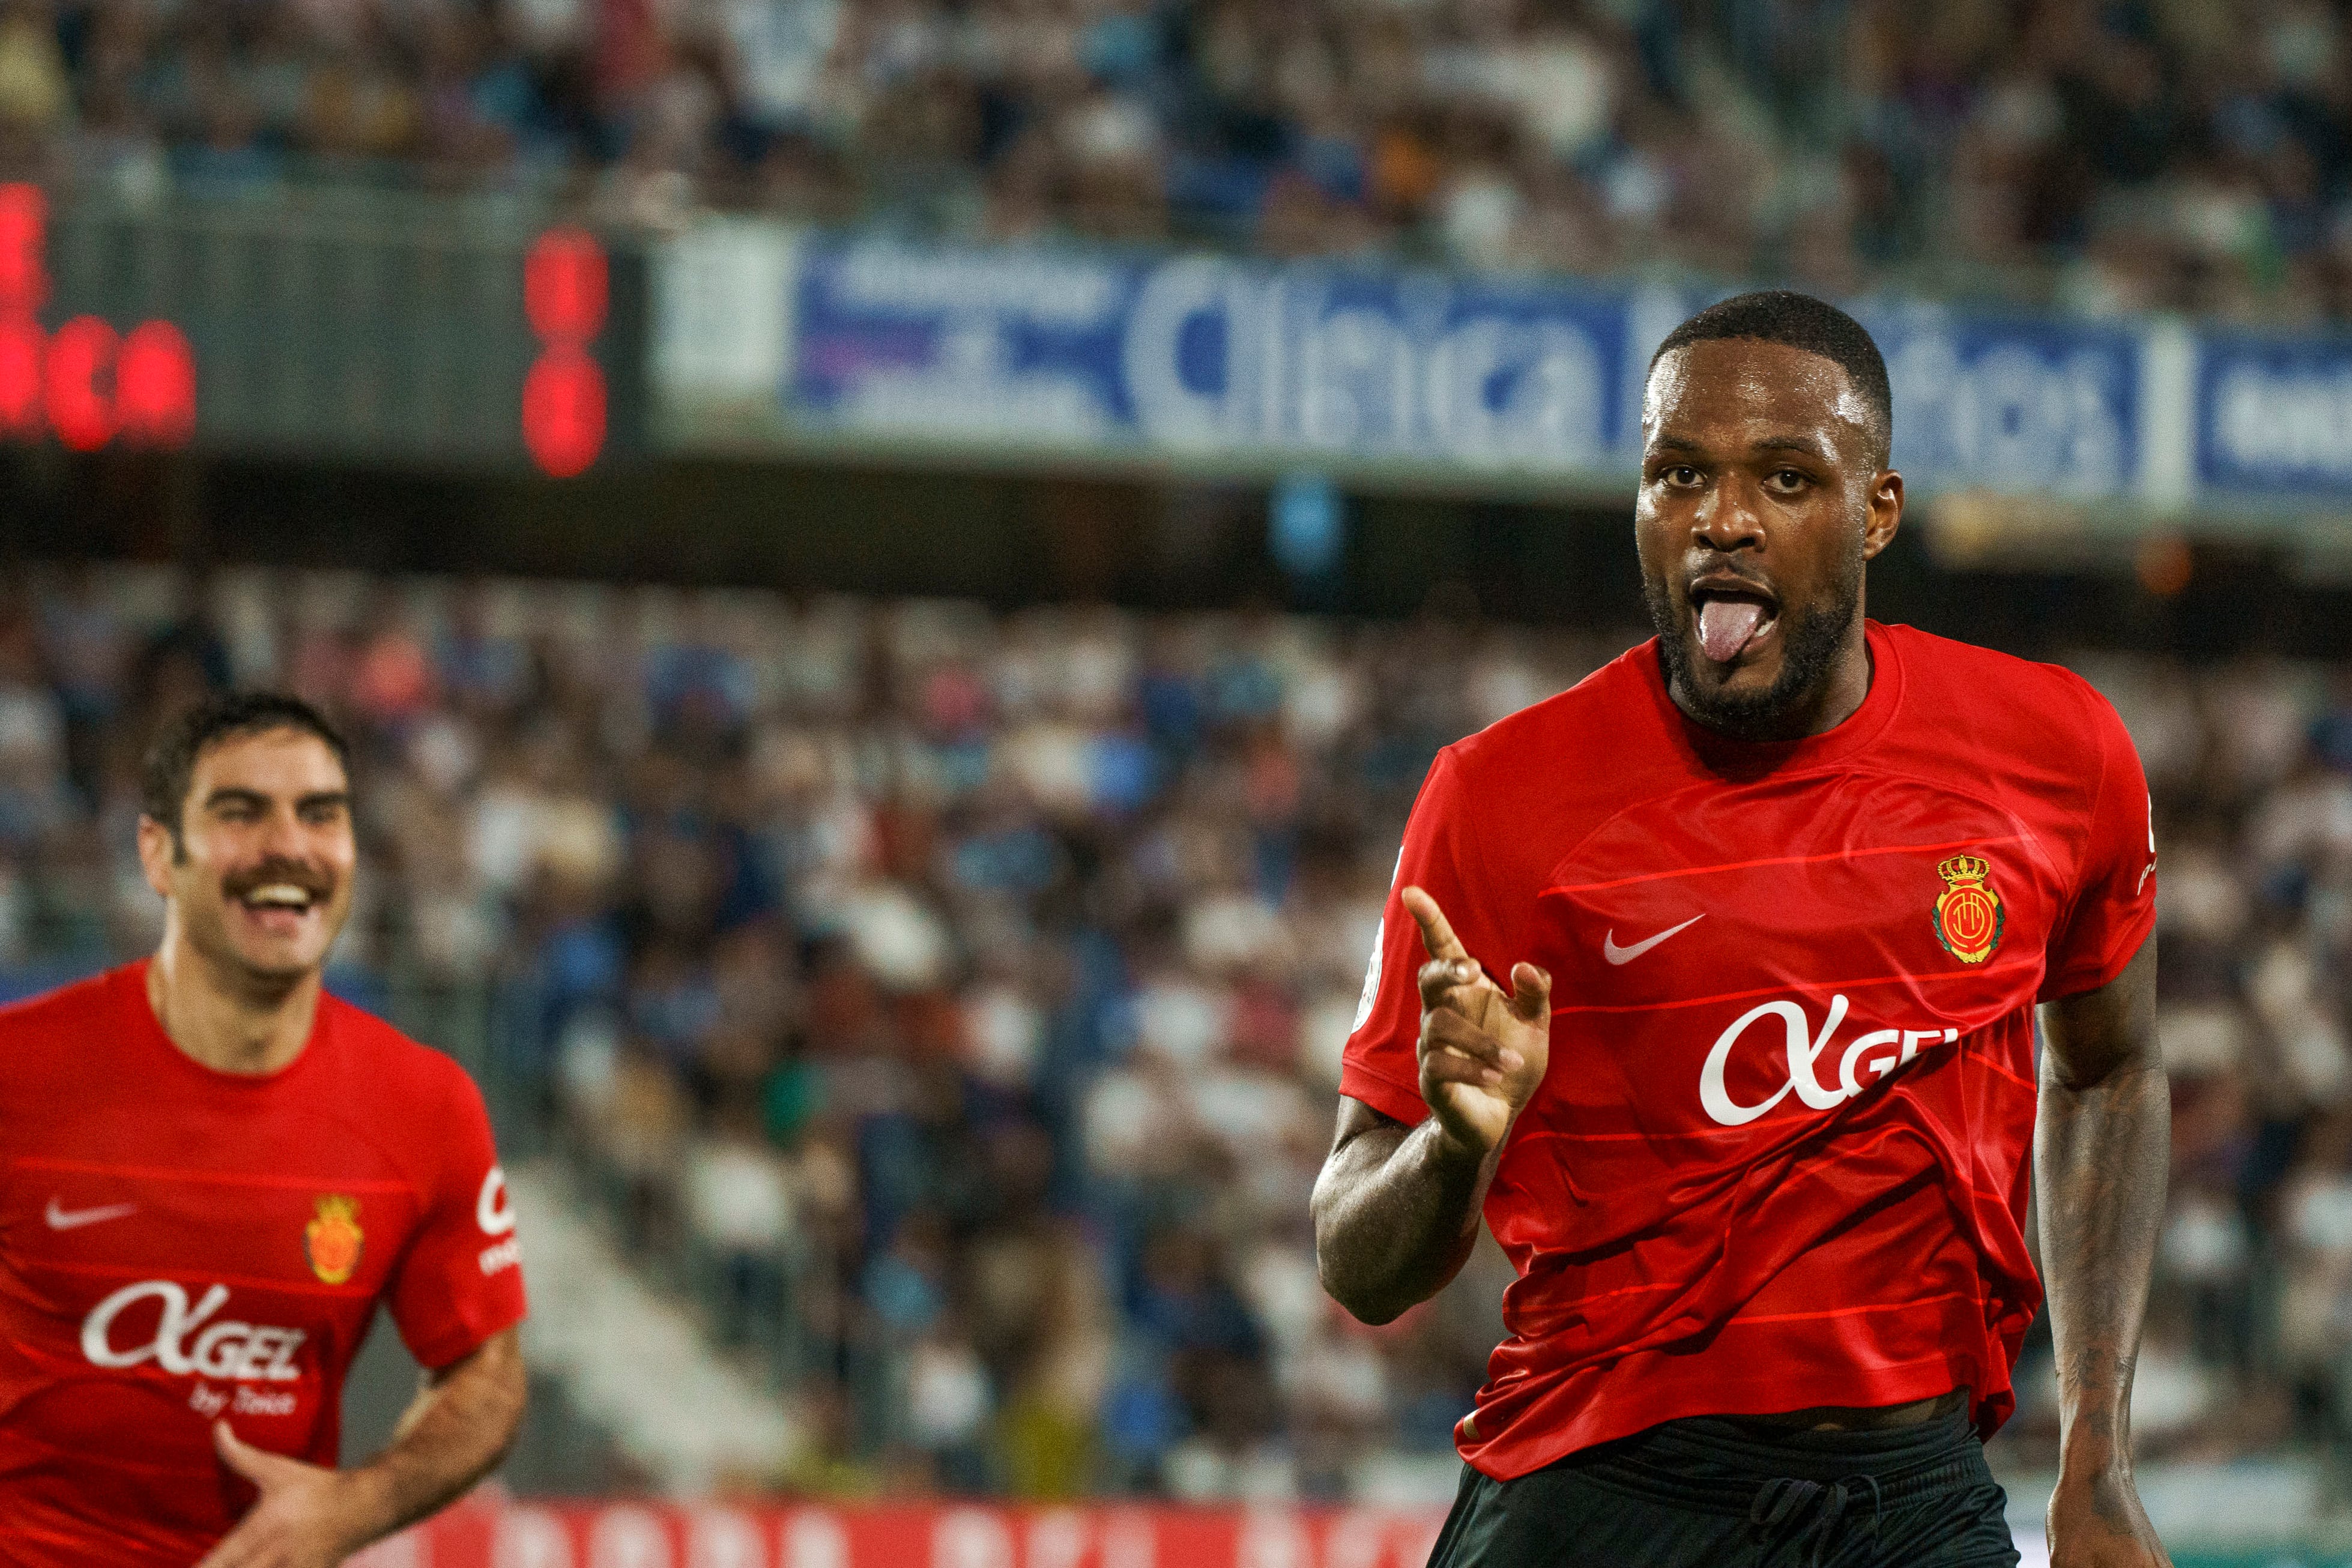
563, 294
80, 371
563, 287
563, 410
22, 411
156, 386
24, 271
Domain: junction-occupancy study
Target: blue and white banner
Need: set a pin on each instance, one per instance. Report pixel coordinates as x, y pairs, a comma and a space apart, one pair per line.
2021, 407
1220, 364
2275, 417
1202, 356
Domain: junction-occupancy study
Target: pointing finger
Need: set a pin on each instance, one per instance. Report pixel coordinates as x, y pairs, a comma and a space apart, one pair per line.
1530, 994
1436, 932
1439, 976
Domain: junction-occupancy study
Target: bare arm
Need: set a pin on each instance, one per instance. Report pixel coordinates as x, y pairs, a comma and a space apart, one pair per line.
460, 1426
1396, 1210
2102, 1146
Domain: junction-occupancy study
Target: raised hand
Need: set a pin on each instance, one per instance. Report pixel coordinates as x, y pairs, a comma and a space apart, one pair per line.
1482, 1050
300, 1521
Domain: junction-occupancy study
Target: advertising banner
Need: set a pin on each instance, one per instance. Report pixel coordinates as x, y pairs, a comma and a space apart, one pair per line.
2011, 406
1195, 355
889, 1535
486, 1533
1216, 365
2275, 416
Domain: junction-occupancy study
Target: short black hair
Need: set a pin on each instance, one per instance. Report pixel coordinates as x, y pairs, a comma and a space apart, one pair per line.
1800, 321
171, 761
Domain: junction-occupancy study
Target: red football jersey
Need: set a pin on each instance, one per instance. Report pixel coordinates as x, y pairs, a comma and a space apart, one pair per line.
1779, 1158
178, 1245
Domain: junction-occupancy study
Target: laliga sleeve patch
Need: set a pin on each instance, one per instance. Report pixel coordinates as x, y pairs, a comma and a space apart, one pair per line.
1372, 977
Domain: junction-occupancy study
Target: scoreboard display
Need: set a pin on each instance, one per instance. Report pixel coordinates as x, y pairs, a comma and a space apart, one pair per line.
341, 326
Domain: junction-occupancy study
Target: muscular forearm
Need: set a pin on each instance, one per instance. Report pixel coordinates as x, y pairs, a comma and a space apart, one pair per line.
1396, 1214
2100, 1151
458, 1429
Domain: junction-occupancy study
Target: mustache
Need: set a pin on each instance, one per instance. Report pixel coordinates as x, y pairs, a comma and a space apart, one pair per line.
311, 879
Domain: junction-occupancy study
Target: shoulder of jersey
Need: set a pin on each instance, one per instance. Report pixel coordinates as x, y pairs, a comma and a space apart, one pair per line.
391, 1062
37, 1020
1593, 711
2044, 704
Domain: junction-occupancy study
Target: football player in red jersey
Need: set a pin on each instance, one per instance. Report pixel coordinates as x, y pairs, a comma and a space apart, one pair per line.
212, 1172
1711, 984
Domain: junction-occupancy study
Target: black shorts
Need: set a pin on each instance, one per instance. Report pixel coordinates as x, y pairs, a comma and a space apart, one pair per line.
1710, 1493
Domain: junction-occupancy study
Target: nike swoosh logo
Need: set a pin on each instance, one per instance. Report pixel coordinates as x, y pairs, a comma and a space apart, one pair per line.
1616, 955
63, 1219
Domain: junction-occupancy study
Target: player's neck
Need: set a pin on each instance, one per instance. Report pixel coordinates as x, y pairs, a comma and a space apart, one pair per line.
1836, 698
1841, 694
228, 1023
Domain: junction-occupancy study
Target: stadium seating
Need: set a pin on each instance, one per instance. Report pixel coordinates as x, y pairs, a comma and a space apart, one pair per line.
947, 1002
2109, 157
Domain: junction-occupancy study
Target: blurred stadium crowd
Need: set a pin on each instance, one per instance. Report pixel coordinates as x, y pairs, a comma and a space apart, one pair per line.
950, 1001
2102, 154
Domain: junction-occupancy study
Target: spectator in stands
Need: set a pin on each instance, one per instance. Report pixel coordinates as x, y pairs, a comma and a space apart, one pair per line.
954, 992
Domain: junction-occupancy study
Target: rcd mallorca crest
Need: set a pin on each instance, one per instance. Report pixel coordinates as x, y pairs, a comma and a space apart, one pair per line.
1967, 917
332, 1241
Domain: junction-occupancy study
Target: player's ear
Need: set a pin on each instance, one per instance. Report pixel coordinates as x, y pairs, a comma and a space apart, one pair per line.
1885, 514
159, 847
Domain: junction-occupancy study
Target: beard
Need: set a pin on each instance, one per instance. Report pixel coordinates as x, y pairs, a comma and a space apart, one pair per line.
1811, 635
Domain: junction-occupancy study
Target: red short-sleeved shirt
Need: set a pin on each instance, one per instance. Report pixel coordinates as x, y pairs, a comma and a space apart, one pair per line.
178, 1245
1779, 1158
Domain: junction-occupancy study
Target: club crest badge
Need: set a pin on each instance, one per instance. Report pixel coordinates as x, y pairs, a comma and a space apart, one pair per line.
1968, 917
332, 1240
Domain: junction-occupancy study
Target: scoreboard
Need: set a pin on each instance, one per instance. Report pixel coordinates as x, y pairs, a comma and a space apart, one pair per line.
351, 326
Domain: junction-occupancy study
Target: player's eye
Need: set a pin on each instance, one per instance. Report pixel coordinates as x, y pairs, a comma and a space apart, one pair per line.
1788, 479
1681, 476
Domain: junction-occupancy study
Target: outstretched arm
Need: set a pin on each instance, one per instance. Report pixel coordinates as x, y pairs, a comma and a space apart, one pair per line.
1396, 1210
308, 1516
2101, 1144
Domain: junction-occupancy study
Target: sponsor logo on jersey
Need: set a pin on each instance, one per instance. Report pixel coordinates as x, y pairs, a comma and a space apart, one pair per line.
1872, 1054
1616, 955
1968, 917
187, 1341
494, 1212
74, 1219
332, 1240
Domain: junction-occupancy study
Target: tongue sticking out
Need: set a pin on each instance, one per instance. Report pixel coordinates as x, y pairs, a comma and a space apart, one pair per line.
1724, 625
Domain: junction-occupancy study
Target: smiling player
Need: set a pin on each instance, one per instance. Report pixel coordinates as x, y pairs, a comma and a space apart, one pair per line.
1775, 897
211, 1172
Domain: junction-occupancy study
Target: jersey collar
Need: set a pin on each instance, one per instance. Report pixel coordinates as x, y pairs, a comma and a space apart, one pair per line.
1710, 752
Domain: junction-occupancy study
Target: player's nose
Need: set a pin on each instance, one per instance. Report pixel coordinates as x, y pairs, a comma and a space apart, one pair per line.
1727, 518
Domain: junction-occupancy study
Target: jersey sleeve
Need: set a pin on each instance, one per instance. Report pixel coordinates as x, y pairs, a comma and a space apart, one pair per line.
2113, 905
461, 1280
1381, 1065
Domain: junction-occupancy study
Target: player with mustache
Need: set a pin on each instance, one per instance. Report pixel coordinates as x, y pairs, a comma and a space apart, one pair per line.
214, 1172
1710, 986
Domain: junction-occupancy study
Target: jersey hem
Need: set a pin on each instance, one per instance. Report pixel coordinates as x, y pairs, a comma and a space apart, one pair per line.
2080, 982
1383, 1094
435, 1360
1714, 1391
